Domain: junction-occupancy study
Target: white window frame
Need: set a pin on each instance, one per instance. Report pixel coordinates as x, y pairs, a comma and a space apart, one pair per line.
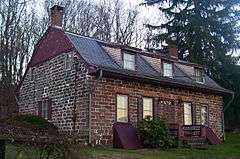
187, 115
165, 69
199, 77
145, 110
122, 108
129, 64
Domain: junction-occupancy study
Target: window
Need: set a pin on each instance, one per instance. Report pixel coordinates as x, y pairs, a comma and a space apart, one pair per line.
187, 114
32, 74
147, 107
45, 109
129, 61
204, 115
122, 108
167, 69
68, 61
45, 92
199, 75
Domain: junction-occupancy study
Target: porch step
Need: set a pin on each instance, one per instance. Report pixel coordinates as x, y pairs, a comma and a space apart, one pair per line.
200, 143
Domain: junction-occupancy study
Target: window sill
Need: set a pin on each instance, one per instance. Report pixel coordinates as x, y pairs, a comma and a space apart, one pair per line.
200, 82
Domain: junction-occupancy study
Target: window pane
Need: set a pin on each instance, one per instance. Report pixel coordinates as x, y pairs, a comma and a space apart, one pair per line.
187, 114
122, 101
68, 61
129, 57
204, 115
167, 70
129, 61
122, 108
147, 107
199, 75
122, 115
45, 109
147, 113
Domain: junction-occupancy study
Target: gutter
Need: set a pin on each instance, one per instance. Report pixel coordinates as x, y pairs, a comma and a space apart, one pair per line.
224, 109
92, 88
167, 82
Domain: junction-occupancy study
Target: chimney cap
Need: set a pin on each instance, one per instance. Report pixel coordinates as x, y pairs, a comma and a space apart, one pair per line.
57, 7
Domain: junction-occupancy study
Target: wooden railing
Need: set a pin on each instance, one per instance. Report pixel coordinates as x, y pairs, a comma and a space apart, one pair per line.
187, 131
196, 133
191, 131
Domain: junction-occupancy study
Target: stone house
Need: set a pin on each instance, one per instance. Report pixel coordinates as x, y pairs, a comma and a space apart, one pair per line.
84, 85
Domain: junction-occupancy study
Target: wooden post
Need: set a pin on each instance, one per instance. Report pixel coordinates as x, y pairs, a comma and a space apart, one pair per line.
2, 149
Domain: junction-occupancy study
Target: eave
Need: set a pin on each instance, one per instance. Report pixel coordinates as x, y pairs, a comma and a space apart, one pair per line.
161, 81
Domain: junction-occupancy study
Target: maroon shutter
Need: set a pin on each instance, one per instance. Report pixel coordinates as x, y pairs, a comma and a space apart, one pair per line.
156, 107
140, 108
49, 108
39, 108
194, 120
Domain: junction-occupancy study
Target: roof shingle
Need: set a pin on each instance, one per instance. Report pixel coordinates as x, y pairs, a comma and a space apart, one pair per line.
93, 52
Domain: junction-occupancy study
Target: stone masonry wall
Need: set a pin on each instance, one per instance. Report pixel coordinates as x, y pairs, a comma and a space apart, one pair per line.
104, 105
60, 85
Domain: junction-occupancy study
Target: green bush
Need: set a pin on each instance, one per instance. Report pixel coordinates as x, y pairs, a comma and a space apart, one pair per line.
30, 121
154, 133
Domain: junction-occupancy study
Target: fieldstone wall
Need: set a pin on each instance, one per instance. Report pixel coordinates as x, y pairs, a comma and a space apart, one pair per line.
68, 113
170, 106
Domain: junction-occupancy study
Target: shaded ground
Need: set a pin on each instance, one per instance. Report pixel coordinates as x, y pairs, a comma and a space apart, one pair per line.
229, 150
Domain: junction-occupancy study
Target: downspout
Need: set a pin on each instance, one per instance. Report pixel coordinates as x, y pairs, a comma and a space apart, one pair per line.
74, 118
90, 105
224, 109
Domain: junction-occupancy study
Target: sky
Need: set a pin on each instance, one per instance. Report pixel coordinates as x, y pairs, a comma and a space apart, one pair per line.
145, 13
148, 14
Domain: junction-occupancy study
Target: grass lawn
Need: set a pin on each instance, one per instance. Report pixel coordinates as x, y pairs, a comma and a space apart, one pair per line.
229, 150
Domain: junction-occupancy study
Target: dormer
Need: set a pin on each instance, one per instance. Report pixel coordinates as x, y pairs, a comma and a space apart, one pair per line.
129, 60
167, 69
199, 75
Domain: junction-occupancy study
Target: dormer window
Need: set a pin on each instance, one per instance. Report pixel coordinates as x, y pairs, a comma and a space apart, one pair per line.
167, 69
128, 61
199, 77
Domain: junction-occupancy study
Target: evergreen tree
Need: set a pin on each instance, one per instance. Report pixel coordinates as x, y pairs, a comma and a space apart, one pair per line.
206, 32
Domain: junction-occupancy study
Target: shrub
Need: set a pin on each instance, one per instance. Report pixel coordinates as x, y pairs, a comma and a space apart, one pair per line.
154, 133
31, 121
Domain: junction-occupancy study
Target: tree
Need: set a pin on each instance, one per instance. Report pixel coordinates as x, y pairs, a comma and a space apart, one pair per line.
206, 32
203, 30
104, 20
16, 38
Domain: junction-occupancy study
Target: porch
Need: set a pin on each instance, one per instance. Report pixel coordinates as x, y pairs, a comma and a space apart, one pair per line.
192, 136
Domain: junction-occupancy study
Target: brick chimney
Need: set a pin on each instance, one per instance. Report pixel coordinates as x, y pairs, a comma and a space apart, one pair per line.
173, 51
57, 16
